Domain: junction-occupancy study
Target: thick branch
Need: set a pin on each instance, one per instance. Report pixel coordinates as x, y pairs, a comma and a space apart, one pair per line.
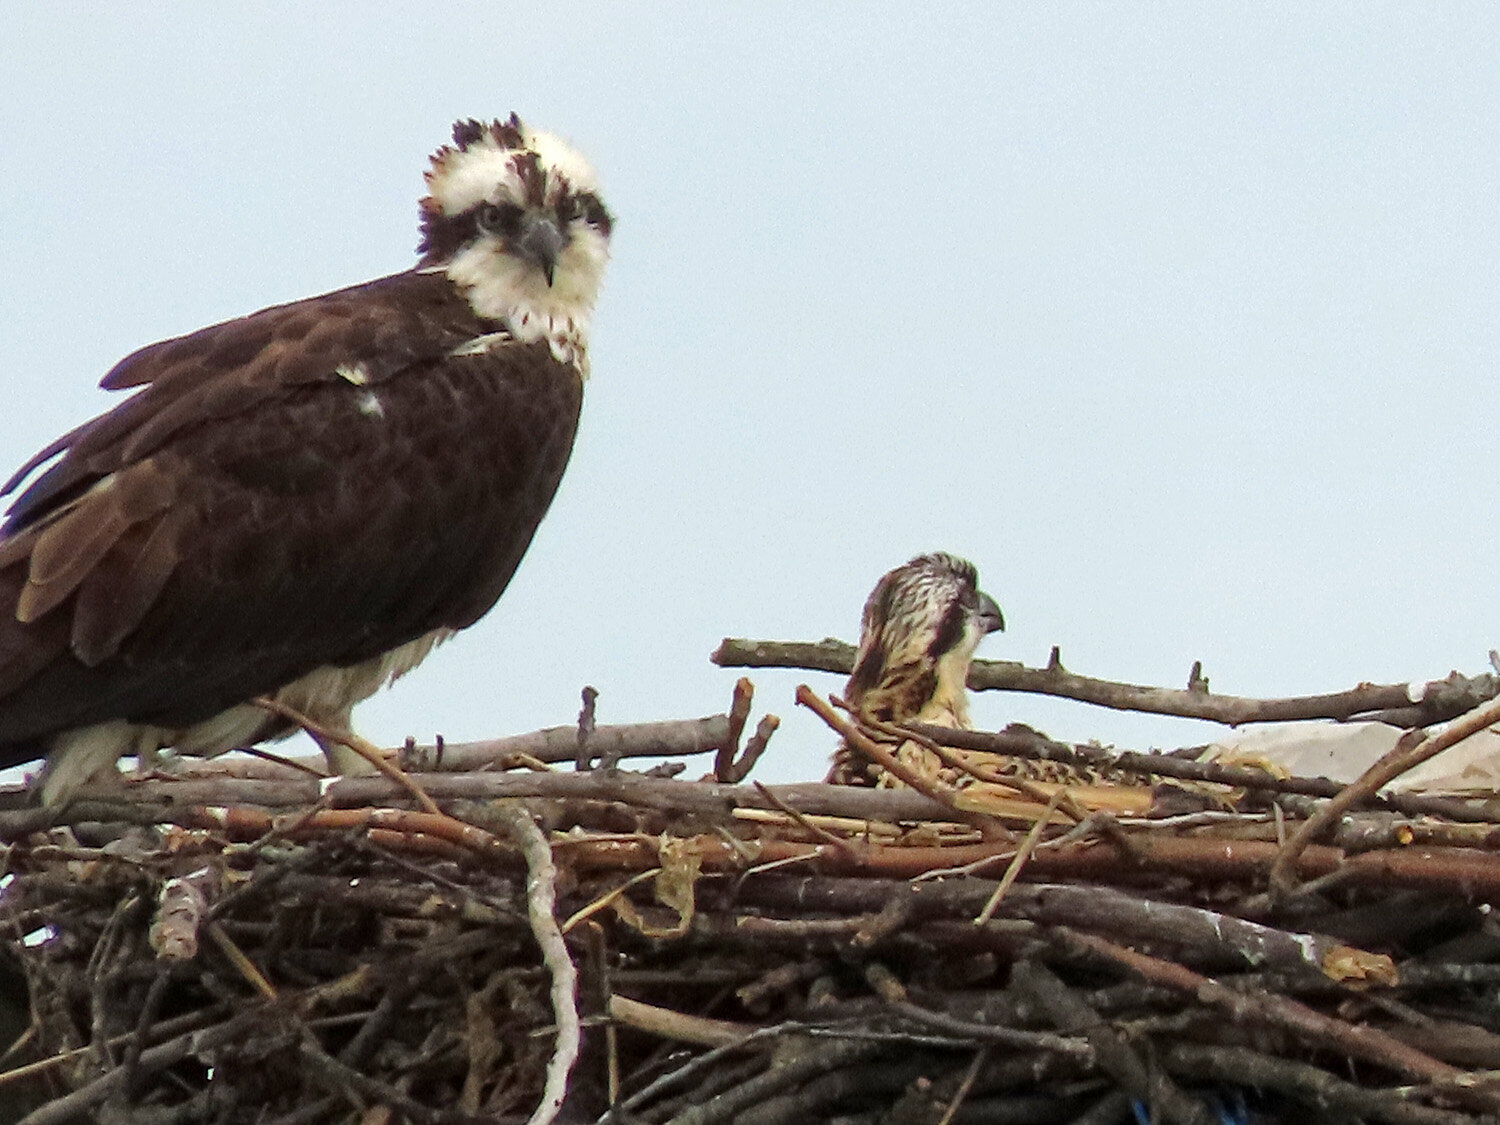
1116, 1055
1414, 704
1090, 907
670, 739
1242, 1066
1356, 1040
193, 802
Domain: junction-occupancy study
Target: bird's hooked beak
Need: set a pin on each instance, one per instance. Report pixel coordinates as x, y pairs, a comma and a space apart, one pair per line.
540, 242
991, 620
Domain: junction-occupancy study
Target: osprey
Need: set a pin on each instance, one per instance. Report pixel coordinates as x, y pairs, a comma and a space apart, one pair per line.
301, 503
920, 627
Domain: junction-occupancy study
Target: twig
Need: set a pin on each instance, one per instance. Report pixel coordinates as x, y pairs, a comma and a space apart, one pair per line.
739, 715
365, 749
964, 1086
817, 833
676, 1025
1067, 801
224, 804
150, 1007
343, 1078
755, 746
892, 917
604, 900
180, 908
1095, 908
243, 965
691, 1069
541, 903
798, 1068
378, 1023
440, 826
72, 1106
1072, 1046
1069, 1012
886, 760
280, 829
1320, 1091
285, 762
586, 728
1358, 1041
1023, 853
1412, 750
680, 738
188, 1021
676, 738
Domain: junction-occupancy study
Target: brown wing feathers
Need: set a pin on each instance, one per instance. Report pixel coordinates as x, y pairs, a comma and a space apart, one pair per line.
189, 551
80, 549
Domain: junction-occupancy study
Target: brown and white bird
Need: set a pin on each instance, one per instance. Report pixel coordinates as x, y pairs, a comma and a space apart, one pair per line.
302, 502
920, 627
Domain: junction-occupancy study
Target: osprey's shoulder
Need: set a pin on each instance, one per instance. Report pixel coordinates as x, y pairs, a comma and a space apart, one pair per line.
361, 335
383, 325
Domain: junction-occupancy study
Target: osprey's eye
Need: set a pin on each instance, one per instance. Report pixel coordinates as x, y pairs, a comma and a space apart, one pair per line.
593, 211
500, 218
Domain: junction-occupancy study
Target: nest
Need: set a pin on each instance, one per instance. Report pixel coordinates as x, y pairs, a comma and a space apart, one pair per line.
485, 936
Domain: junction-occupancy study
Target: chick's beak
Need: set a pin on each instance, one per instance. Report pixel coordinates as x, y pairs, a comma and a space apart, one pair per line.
990, 617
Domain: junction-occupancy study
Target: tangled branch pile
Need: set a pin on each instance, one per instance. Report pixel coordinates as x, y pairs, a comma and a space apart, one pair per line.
492, 939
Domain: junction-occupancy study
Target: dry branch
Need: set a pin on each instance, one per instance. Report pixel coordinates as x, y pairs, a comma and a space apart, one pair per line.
541, 904
1279, 1011
1098, 908
1266, 1072
1409, 704
1412, 750
554, 745
1147, 1084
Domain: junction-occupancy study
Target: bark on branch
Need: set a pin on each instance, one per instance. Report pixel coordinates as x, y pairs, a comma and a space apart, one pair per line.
1410, 704
677, 738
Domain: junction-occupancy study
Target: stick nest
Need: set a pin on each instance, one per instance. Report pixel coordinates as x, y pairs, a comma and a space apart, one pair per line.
588, 943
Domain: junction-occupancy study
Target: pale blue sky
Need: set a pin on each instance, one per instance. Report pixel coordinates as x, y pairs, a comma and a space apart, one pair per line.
1179, 320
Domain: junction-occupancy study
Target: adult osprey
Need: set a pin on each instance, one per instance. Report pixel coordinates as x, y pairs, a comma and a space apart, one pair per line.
302, 502
920, 627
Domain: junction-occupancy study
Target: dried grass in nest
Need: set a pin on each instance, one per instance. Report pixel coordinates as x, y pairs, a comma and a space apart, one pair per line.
589, 944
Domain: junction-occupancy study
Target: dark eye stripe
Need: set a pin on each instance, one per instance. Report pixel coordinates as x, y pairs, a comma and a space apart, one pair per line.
444, 235
949, 631
594, 212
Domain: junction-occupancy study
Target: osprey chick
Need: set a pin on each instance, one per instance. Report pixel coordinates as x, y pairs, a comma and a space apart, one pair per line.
920, 627
302, 502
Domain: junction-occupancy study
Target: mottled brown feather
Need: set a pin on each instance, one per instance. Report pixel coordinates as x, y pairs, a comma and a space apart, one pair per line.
916, 615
